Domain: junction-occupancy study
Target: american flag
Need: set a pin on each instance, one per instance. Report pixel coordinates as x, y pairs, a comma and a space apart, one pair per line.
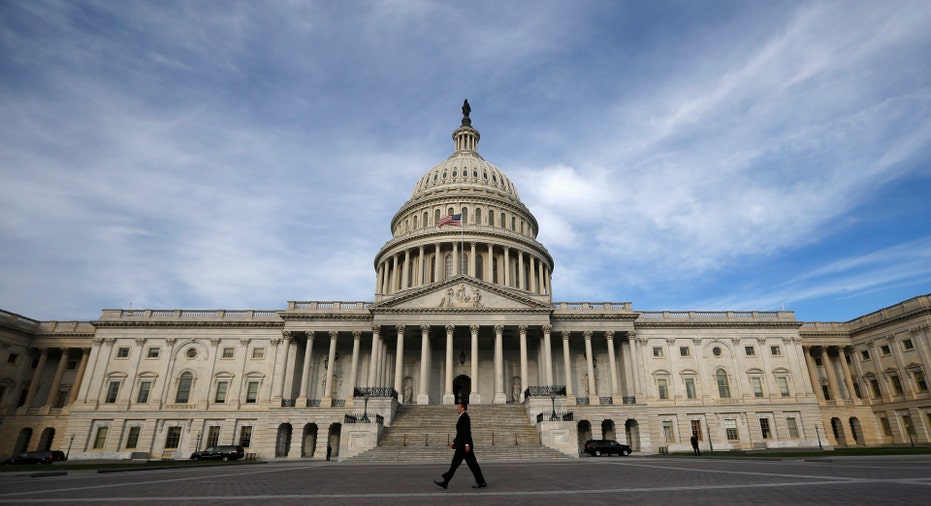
453, 219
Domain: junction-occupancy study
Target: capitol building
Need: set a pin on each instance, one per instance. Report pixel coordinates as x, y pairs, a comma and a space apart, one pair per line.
462, 312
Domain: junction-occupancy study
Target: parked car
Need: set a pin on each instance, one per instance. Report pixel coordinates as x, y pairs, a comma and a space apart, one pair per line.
35, 457
599, 447
222, 452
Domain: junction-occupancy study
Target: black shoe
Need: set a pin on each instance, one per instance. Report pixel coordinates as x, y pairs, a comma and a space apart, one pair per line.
441, 483
480, 485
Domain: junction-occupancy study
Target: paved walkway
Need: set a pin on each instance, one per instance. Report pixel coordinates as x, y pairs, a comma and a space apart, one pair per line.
606, 480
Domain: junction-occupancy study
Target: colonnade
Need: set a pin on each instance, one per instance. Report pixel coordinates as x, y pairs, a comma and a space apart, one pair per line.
494, 263
35, 381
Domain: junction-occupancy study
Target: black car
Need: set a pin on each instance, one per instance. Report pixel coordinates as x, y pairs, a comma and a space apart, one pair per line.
222, 452
599, 447
35, 457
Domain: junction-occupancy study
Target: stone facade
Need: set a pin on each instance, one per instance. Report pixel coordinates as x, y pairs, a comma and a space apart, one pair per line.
462, 311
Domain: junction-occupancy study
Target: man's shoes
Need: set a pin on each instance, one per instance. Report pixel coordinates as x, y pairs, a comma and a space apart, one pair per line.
480, 485
441, 483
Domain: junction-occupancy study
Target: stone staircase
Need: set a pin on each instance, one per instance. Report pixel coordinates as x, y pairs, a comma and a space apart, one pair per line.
423, 433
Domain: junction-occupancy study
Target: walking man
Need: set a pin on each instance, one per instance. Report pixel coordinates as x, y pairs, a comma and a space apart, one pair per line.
464, 450
694, 440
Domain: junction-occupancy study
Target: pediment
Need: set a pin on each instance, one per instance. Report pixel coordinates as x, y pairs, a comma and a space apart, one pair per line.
461, 293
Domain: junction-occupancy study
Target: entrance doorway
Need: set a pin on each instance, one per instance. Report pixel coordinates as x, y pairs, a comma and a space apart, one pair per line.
462, 388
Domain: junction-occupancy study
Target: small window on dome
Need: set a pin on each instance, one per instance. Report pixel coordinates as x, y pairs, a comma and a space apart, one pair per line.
434, 177
475, 174
444, 175
485, 174
494, 178
455, 173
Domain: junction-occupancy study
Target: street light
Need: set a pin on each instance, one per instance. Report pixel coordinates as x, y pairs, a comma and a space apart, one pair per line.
197, 445
818, 433
365, 411
553, 399
70, 442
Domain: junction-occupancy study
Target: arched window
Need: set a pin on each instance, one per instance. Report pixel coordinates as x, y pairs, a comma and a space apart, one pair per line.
184, 388
465, 215
449, 266
502, 222
724, 388
415, 222
478, 216
425, 215
436, 217
410, 273
479, 267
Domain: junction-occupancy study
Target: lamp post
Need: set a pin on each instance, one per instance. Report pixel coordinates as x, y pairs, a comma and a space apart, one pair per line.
365, 410
710, 444
70, 442
197, 444
818, 433
553, 399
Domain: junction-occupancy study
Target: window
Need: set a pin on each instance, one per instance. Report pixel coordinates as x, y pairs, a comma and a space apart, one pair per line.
220, 397
72, 364
874, 386
663, 388
920, 381
783, 385
684, 351
775, 351
757, 386
792, 424
716, 351
856, 389
887, 429
690, 388
907, 345
213, 435
228, 352
258, 353
132, 440
730, 428
11, 359
173, 438
657, 351
245, 436
864, 354
764, 427
896, 385
668, 434
122, 352
152, 353
100, 439
144, 388
696, 429
252, 392
112, 391
724, 388
750, 351
885, 350
184, 388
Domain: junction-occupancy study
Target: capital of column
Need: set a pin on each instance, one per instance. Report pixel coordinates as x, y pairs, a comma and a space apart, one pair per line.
215, 341
565, 335
450, 329
140, 341
474, 328
356, 335
609, 335
245, 341
400, 328
499, 329
334, 334
286, 335
587, 335
522, 329
424, 329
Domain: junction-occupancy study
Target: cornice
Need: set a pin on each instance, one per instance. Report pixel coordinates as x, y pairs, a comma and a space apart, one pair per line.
186, 324
718, 324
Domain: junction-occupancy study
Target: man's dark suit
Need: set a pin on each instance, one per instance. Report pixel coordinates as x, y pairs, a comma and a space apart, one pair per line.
464, 439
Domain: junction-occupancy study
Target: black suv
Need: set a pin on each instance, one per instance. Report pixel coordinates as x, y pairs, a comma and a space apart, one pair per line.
35, 457
599, 447
223, 452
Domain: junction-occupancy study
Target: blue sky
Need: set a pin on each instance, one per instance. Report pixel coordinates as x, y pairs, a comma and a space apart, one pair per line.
677, 155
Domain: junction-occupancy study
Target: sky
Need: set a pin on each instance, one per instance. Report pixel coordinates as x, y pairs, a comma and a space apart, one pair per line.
693, 155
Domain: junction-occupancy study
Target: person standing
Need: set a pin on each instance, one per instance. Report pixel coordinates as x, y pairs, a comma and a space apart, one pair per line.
465, 450
694, 440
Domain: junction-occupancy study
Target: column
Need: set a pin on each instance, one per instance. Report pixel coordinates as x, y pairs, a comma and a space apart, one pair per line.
436, 264
499, 397
848, 379
456, 258
423, 396
590, 364
305, 374
829, 372
327, 400
612, 362
507, 266
399, 365
547, 355
567, 363
813, 373
474, 396
56, 381
79, 377
448, 397
533, 274
636, 358
627, 356
420, 266
523, 361
489, 264
521, 278
406, 269
373, 359
282, 366
354, 367
472, 261
36, 378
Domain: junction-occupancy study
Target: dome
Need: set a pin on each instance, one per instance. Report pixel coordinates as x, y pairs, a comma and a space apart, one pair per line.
465, 167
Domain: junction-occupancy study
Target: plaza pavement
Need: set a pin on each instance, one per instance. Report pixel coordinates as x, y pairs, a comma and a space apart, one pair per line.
606, 480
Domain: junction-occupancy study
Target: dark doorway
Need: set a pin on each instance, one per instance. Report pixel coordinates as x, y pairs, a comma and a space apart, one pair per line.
462, 388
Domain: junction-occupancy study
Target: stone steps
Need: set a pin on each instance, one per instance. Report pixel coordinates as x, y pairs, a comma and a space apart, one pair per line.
422, 434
